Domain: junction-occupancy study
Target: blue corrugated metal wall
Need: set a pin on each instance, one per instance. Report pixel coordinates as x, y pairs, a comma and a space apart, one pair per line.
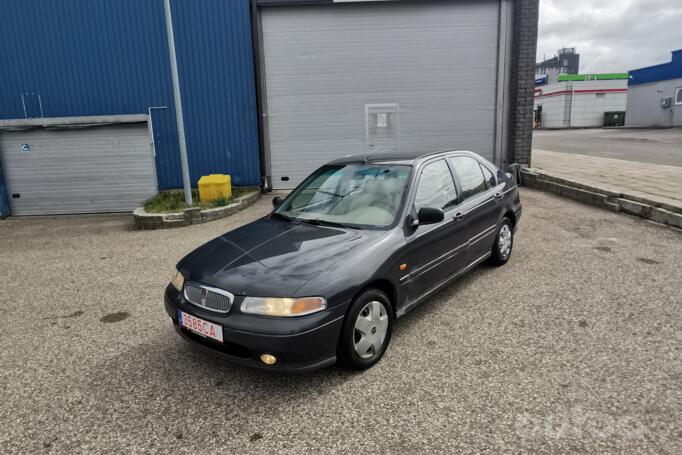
656, 73
105, 57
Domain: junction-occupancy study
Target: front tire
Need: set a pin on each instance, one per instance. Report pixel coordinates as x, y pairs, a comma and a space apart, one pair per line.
366, 330
504, 242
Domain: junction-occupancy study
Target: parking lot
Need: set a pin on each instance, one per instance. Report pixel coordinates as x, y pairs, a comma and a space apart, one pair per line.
655, 146
574, 346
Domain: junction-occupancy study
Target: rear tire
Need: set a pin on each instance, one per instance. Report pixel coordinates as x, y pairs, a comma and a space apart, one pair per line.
504, 242
366, 331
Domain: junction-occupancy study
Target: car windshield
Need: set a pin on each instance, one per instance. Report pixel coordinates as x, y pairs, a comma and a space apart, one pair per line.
355, 195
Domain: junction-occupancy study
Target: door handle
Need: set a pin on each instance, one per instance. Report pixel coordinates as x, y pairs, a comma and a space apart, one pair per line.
498, 195
458, 216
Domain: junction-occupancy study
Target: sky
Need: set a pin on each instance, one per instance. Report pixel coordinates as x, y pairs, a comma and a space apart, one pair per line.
611, 35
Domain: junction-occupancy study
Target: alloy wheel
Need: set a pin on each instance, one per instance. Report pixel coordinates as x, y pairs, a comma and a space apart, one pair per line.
505, 241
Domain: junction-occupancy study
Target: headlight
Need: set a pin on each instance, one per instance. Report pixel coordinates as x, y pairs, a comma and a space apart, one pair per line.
178, 281
271, 306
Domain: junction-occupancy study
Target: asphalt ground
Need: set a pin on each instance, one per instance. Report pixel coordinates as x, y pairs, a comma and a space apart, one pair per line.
573, 346
655, 146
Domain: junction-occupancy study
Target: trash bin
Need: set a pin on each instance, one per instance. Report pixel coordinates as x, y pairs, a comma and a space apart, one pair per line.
614, 118
214, 187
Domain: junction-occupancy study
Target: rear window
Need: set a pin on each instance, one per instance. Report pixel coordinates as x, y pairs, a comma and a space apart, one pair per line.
469, 175
488, 176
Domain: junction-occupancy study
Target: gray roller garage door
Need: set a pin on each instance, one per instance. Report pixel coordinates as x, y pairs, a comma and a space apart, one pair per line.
81, 170
435, 61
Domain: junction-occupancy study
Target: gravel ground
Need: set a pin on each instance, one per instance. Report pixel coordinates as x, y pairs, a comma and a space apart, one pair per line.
573, 346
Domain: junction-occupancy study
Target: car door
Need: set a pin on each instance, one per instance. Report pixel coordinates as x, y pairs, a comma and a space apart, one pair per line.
479, 211
434, 252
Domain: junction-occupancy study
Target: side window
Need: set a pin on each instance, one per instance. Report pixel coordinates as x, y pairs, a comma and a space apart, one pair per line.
488, 176
470, 176
678, 95
436, 188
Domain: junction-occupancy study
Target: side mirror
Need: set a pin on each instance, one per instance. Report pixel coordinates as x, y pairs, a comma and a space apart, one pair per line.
277, 200
429, 215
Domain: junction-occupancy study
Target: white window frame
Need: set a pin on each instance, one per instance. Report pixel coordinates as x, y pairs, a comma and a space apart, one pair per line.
678, 90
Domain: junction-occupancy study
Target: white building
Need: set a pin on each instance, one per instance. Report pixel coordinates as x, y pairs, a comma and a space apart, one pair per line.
580, 100
655, 94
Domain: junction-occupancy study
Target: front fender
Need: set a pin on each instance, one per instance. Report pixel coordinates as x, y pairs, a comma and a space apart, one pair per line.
380, 261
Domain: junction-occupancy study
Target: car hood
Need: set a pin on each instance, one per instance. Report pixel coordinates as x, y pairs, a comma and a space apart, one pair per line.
271, 257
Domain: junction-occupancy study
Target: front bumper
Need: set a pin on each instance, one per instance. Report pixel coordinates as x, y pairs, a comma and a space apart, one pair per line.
300, 344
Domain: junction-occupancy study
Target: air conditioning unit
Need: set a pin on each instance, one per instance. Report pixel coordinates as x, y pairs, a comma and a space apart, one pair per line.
666, 102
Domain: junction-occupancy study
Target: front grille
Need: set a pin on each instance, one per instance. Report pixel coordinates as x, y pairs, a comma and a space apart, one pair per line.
210, 298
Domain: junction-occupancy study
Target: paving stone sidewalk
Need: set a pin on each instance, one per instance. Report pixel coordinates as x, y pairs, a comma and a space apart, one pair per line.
658, 183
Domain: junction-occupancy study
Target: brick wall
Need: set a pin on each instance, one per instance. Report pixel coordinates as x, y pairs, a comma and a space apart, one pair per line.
522, 81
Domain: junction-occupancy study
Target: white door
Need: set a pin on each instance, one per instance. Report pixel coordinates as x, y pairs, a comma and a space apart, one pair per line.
437, 61
78, 170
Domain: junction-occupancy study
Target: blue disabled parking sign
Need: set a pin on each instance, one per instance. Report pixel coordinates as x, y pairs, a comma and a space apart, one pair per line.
25, 148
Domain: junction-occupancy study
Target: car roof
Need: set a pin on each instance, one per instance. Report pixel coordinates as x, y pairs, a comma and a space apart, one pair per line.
407, 157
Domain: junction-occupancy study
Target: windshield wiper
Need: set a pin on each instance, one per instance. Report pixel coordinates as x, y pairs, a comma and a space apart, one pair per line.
320, 190
282, 217
319, 222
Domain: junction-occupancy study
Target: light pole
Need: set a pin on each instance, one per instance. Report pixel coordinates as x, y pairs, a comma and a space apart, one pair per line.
178, 103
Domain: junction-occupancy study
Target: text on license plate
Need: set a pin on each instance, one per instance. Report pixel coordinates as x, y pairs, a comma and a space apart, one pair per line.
200, 326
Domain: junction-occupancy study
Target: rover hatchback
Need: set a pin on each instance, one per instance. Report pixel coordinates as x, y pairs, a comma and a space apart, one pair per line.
356, 245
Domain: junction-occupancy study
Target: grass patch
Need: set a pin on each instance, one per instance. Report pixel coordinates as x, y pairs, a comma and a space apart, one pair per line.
174, 201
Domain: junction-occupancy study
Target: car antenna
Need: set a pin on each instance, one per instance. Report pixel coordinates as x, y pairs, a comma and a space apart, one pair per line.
376, 149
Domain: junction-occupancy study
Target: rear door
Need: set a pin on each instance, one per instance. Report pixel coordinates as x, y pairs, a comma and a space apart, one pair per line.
481, 204
435, 252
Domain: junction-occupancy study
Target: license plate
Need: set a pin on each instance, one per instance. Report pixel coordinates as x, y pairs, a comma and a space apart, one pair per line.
200, 327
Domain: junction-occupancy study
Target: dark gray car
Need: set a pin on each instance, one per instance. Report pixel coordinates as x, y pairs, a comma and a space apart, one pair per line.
359, 243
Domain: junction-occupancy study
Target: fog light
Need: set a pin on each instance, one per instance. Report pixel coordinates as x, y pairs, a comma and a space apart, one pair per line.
268, 359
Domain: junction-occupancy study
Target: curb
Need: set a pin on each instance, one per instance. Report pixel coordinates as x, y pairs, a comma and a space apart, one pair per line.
145, 221
615, 202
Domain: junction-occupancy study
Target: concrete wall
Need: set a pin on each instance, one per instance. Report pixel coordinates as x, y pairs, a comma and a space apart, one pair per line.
643, 105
